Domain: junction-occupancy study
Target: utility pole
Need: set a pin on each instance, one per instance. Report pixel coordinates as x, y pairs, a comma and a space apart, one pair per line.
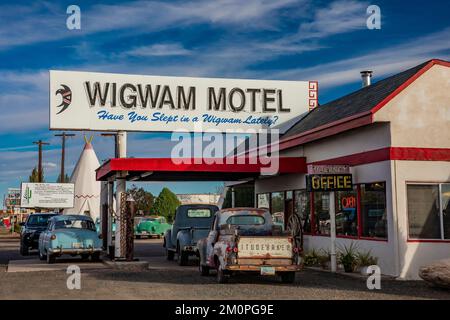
63, 153
116, 149
40, 143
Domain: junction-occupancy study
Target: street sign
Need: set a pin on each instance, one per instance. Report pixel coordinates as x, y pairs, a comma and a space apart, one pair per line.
329, 182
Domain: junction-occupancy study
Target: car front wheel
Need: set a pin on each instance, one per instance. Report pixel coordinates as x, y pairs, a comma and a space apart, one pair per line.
204, 270
170, 254
182, 258
50, 258
221, 276
24, 251
42, 256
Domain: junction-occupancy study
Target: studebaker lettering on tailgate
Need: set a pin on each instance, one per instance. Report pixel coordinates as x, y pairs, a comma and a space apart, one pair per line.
244, 239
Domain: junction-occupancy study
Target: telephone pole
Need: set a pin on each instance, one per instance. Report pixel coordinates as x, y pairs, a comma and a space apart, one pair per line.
63, 153
40, 143
116, 149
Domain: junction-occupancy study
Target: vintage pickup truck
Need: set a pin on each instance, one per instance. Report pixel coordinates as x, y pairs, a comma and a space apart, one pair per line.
192, 222
246, 240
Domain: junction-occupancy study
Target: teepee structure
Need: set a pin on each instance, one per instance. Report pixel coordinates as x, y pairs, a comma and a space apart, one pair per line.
87, 188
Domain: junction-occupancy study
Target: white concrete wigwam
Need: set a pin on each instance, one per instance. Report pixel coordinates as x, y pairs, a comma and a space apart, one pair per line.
87, 188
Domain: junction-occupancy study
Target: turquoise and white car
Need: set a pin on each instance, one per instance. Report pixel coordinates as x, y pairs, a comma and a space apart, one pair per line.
70, 234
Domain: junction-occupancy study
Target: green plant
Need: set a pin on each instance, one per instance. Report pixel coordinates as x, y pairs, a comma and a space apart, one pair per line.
348, 257
311, 258
365, 259
324, 257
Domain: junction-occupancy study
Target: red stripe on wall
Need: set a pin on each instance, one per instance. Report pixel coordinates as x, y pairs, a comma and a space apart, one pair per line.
392, 153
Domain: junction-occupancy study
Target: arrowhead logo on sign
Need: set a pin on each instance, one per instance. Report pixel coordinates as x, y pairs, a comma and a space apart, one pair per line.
66, 95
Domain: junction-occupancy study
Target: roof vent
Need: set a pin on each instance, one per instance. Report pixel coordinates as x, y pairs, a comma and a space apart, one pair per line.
366, 76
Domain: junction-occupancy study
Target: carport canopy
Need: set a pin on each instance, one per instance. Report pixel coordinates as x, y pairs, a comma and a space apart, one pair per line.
194, 169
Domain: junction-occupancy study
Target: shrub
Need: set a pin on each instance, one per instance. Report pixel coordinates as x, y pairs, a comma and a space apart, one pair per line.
348, 257
365, 259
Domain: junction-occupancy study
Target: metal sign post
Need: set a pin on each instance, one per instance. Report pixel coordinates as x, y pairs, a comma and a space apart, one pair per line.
330, 178
333, 231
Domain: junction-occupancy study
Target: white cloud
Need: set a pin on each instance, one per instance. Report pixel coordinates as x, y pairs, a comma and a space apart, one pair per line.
40, 22
161, 49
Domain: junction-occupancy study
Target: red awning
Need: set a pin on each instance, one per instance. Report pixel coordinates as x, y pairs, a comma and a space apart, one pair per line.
166, 169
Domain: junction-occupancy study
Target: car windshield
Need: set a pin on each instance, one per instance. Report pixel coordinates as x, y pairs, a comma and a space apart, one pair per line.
75, 224
199, 213
245, 220
147, 219
38, 220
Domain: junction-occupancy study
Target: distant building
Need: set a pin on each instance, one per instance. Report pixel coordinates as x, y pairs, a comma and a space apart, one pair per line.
12, 200
207, 198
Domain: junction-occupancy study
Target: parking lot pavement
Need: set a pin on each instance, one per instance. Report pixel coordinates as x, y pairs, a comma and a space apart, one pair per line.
167, 280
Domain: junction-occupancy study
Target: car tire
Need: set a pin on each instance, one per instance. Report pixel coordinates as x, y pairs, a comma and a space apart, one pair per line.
204, 270
51, 258
42, 256
170, 254
95, 256
287, 277
138, 237
24, 250
182, 258
222, 277
85, 257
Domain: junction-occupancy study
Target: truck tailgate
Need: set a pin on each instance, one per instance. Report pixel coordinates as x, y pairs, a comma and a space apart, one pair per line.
265, 247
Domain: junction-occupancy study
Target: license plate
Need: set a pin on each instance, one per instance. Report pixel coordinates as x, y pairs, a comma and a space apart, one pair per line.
267, 271
76, 245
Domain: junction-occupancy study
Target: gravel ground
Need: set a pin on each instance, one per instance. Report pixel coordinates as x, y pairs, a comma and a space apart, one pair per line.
185, 284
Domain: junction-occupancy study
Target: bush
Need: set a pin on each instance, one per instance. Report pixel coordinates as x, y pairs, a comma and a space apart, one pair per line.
348, 257
311, 258
365, 259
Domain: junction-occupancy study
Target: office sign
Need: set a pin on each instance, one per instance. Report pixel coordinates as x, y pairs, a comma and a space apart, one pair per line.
47, 195
103, 101
329, 182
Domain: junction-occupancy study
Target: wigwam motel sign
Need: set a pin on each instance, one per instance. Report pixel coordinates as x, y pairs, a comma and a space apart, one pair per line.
104, 101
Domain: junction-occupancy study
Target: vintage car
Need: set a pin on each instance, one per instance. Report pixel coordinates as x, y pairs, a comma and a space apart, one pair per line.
192, 222
154, 226
70, 234
247, 240
31, 230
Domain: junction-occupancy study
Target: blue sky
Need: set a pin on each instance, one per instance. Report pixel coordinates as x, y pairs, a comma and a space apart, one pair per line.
326, 41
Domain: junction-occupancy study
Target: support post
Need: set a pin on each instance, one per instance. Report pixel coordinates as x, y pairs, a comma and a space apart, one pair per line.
233, 203
111, 209
104, 213
121, 189
333, 232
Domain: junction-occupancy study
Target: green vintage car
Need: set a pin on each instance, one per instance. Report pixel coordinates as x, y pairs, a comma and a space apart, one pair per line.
151, 227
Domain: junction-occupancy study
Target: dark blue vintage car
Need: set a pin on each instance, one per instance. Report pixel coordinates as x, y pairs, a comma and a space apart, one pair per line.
192, 222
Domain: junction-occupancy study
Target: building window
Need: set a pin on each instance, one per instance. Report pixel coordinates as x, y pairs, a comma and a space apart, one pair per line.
264, 200
322, 212
445, 201
346, 212
302, 208
428, 211
277, 208
373, 210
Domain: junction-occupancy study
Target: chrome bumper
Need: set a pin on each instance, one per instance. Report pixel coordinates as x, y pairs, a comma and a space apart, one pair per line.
73, 250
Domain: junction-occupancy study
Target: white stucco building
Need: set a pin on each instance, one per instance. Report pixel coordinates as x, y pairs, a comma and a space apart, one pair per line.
395, 135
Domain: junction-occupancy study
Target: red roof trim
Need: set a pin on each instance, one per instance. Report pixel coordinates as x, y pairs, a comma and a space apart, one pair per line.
391, 153
286, 165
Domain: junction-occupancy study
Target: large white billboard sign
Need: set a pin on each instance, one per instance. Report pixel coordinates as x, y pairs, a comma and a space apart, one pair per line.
47, 195
104, 101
